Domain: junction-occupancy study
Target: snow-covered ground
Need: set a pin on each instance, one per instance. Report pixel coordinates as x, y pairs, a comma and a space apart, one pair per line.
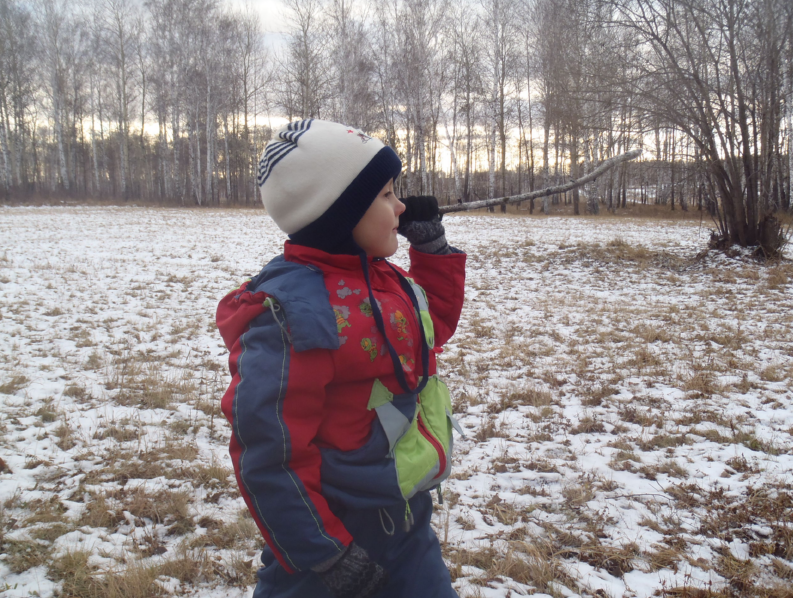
627, 405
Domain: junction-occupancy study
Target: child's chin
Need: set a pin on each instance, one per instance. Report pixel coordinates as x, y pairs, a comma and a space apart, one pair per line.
384, 254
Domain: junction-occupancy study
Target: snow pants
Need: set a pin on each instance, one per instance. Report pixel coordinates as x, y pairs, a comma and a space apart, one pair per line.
412, 559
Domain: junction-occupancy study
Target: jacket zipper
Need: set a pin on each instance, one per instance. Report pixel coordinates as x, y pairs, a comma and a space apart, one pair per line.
436, 445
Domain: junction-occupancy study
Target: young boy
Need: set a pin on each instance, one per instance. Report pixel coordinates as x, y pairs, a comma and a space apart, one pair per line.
340, 425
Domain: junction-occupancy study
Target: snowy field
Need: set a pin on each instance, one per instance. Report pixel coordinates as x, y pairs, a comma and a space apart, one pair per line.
627, 405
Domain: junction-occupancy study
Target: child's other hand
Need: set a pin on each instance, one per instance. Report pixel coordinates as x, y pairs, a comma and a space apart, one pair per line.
418, 208
353, 575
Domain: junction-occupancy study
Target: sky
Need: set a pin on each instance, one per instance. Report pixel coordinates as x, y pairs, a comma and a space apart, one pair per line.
272, 14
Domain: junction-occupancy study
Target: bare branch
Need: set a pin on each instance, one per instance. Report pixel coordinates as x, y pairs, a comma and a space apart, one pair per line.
604, 167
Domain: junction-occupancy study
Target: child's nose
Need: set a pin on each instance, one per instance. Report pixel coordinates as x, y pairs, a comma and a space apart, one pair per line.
399, 208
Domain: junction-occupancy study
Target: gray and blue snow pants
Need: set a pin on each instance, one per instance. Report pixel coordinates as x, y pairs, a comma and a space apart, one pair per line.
412, 559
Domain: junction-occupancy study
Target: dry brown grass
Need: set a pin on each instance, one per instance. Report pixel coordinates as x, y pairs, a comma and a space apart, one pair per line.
241, 534
48, 510
98, 512
13, 384
534, 563
489, 428
75, 575
139, 579
168, 507
21, 555
615, 560
593, 396
66, 436
778, 277
531, 395
588, 425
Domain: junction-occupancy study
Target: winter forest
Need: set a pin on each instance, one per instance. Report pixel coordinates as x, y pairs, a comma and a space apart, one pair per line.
172, 101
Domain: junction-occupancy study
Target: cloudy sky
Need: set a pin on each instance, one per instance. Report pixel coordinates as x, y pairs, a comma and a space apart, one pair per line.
272, 17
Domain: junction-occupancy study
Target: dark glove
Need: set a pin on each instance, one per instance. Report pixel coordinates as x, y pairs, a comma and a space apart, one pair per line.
426, 236
421, 207
352, 575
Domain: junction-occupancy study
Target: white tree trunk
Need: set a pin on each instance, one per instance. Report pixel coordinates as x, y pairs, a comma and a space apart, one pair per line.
59, 134
452, 139
94, 156
423, 161
163, 141
491, 177
4, 145
210, 153
197, 142
546, 208
227, 158
408, 162
789, 122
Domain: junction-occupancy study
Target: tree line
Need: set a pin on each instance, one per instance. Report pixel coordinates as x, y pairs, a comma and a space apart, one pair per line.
173, 100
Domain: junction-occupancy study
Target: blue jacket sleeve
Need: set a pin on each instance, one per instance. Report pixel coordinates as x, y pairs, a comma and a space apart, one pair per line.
275, 404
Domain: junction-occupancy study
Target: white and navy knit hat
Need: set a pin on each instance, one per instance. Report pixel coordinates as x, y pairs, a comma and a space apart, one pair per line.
318, 178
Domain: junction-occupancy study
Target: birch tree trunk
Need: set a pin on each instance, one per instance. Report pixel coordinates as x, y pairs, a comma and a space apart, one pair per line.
103, 154
210, 131
61, 151
789, 121
199, 184
491, 179
93, 142
178, 189
546, 209
422, 143
227, 157
452, 139
4, 145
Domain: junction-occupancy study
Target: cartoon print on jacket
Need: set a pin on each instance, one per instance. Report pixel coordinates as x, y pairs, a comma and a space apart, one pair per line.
407, 362
342, 315
366, 308
400, 322
370, 346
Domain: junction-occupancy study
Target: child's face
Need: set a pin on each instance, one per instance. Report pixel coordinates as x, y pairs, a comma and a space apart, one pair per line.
376, 233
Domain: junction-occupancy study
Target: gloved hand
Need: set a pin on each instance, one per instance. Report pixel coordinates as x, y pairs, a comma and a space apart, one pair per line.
421, 207
426, 236
353, 575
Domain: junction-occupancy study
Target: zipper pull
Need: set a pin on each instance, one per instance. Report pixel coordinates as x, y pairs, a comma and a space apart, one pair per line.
408, 518
440, 495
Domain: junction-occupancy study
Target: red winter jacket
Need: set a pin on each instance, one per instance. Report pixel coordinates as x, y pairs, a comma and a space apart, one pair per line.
316, 411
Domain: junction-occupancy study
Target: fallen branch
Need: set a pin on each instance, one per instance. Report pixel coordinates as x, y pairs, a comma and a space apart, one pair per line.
485, 203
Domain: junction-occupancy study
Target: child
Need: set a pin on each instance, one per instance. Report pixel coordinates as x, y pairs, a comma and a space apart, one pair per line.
340, 425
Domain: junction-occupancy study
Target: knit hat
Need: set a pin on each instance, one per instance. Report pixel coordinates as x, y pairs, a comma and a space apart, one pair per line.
318, 178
